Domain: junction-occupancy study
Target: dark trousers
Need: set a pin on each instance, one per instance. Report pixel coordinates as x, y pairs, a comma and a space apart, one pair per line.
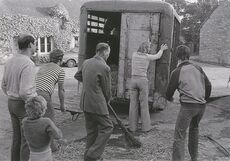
50, 110
99, 129
19, 148
189, 116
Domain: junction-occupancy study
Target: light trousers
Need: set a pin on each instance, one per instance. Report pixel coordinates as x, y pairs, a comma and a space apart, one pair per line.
139, 92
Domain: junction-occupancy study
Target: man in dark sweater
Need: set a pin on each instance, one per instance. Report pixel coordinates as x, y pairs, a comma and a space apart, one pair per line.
194, 88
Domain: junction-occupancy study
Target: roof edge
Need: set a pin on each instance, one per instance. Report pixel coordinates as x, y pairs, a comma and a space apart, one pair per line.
131, 6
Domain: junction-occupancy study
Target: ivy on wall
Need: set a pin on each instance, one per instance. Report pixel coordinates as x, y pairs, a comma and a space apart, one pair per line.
59, 11
14, 25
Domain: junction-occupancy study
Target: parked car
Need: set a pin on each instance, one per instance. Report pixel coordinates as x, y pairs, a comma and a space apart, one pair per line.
70, 59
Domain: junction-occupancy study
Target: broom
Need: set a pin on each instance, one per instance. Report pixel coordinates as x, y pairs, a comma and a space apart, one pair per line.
211, 99
131, 140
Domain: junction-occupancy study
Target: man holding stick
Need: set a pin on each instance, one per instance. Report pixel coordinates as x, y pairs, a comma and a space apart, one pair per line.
96, 94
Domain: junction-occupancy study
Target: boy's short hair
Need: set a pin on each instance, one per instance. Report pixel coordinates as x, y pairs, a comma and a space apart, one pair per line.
35, 107
102, 47
24, 41
183, 52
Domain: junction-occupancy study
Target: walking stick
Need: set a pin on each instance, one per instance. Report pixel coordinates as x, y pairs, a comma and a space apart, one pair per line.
218, 146
74, 114
131, 140
211, 99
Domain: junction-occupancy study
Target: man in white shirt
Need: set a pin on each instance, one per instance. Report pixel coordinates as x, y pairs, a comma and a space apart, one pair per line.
18, 83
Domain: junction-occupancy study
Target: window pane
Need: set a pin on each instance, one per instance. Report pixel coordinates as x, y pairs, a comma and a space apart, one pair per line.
94, 30
94, 17
42, 42
37, 45
101, 25
101, 19
49, 44
94, 24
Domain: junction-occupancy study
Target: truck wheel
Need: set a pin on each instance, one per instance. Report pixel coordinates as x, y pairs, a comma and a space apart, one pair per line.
71, 63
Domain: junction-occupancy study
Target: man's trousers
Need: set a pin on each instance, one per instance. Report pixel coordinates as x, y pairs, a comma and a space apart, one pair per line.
19, 148
189, 116
98, 128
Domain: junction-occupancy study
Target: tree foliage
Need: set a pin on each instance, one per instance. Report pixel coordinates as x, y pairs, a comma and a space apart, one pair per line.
193, 16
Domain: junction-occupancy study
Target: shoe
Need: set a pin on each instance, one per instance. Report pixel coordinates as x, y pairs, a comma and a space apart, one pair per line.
146, 132
129, 130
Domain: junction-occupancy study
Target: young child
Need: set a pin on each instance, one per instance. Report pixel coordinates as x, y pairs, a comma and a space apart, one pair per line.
39, 131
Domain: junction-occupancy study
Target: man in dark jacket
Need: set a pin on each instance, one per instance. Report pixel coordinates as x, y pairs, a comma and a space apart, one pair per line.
194, 88
96, 93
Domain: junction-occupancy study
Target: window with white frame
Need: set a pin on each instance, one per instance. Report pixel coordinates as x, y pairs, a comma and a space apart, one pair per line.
95, 24
45, 45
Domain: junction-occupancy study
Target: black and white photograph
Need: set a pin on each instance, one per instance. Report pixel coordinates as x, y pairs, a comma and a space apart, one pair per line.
115, 80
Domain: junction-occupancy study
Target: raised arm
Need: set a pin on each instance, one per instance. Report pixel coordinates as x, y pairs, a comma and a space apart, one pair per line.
159, 54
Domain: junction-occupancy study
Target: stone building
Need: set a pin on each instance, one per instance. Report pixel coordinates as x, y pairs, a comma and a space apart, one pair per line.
54, 24
215, 36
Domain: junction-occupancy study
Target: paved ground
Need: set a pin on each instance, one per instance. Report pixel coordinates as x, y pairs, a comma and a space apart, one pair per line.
215, 123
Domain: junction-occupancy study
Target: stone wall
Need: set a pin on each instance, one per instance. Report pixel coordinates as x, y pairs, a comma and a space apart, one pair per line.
4, 51
215, 36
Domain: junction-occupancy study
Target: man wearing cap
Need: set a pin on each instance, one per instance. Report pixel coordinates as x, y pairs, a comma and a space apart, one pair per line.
96, 93
18, 83
194, 88
48, 75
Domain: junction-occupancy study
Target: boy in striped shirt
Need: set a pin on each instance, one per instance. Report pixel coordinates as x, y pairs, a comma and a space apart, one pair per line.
48, 76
